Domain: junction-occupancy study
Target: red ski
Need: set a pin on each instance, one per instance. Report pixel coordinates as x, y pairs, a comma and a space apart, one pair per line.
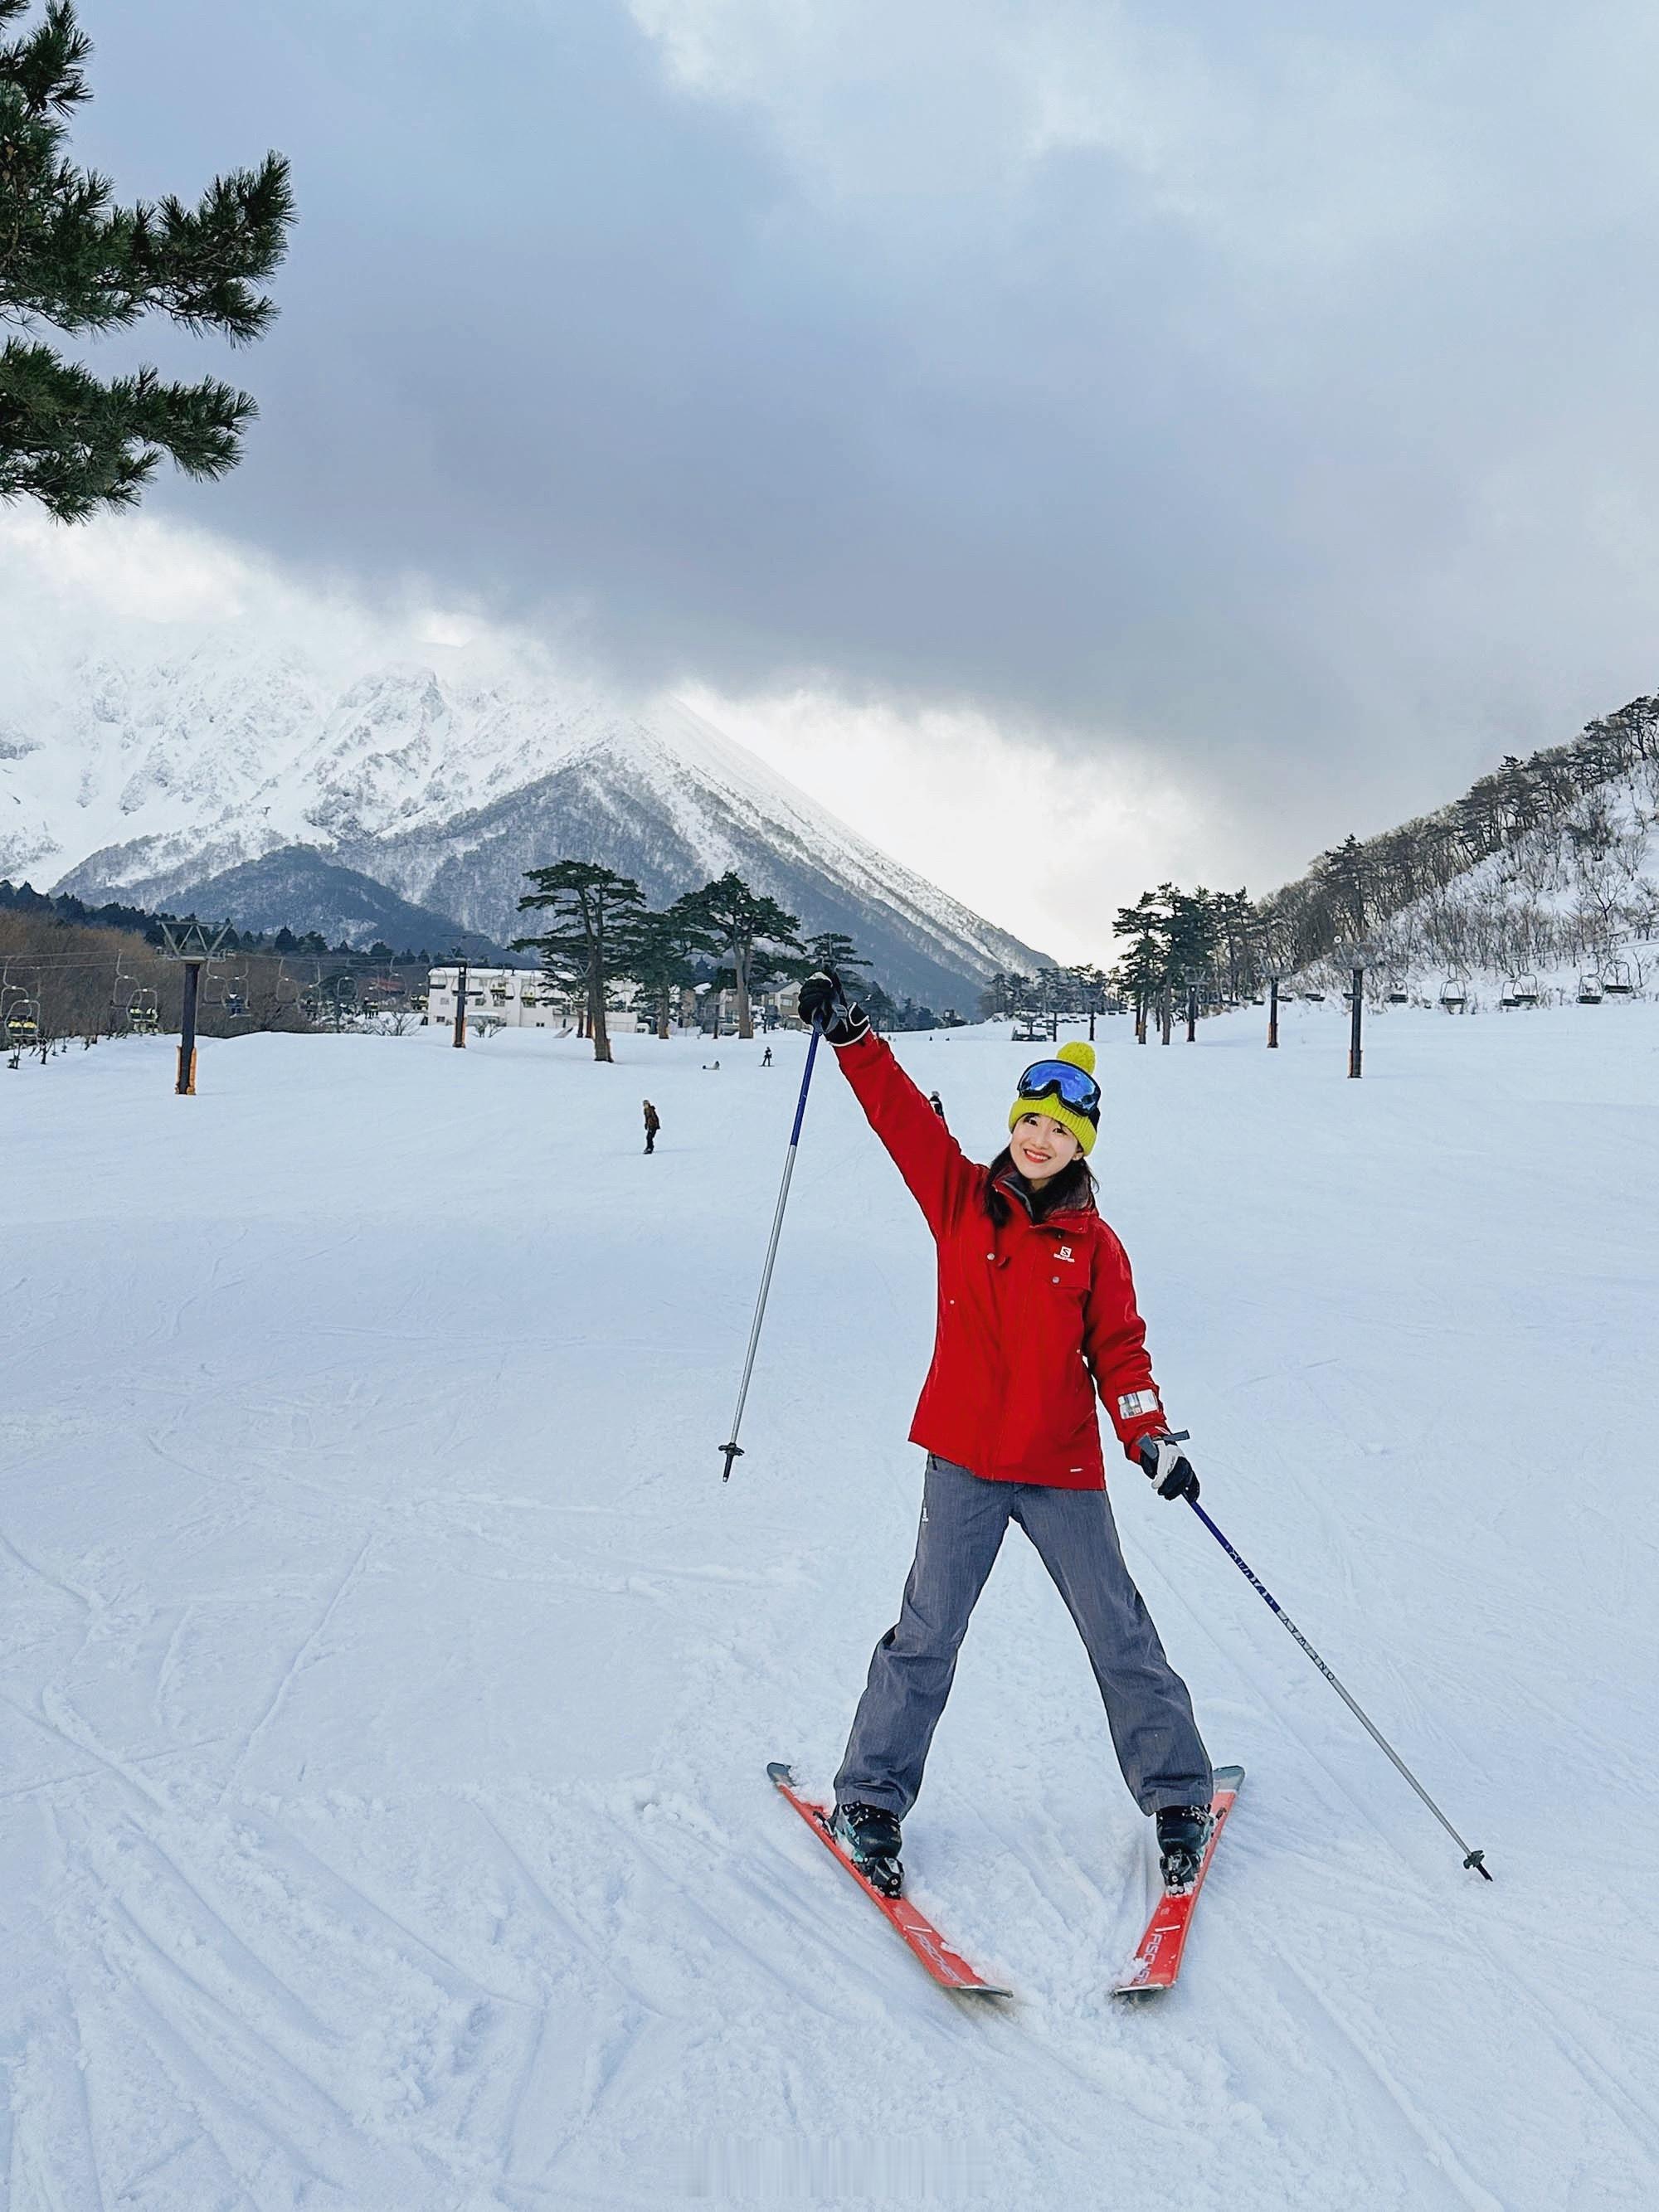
1157, 1961
948, 1967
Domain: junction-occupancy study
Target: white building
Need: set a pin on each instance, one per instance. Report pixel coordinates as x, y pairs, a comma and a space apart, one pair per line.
518, 997
510, 998
522, 998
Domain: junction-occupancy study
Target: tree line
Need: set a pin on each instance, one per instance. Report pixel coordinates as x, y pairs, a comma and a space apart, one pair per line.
599, 934
70, 971
150, 924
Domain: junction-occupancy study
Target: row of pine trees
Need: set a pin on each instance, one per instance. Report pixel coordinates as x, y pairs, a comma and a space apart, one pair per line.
598, 933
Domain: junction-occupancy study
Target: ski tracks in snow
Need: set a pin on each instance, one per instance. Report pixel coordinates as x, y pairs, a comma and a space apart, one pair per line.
389, 1683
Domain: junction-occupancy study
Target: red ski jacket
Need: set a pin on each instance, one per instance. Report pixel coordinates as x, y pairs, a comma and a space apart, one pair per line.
1033, 1316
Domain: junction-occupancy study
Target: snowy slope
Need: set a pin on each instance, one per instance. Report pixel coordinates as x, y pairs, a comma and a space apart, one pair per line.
389, 1680
152, 781
1569, 895
1569, 898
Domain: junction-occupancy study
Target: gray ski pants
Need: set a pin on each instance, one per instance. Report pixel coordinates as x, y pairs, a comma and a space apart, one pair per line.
963, 1522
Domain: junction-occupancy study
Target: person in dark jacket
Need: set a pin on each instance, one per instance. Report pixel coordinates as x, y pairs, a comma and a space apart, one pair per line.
1036, 1315
652, 1125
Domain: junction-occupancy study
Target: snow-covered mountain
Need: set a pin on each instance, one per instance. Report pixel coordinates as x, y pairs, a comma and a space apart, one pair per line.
301, 888
151, 780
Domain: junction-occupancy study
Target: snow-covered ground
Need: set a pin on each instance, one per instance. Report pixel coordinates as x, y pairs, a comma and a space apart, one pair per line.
388, 1680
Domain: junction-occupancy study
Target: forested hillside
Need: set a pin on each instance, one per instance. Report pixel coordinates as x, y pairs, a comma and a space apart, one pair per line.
1547, 863
1543, 878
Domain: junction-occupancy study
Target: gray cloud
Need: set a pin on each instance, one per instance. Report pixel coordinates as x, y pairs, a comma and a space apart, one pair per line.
1269, 395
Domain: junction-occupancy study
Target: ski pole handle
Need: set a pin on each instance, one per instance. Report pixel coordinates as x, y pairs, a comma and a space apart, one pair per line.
733, 1450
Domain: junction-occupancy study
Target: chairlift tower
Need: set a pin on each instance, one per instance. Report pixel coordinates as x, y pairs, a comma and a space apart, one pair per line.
190, 943
462, 963
1360, 958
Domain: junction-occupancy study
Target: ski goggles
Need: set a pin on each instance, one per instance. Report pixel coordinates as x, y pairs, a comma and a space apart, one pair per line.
1072, 1086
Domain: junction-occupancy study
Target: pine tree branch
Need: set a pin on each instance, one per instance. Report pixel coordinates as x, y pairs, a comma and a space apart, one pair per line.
46, 67
80, 446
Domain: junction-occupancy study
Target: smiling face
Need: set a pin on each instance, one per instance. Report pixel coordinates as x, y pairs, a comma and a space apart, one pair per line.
1042, 1147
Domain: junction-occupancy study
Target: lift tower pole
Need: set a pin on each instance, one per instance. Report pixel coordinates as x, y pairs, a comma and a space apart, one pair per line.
190, 944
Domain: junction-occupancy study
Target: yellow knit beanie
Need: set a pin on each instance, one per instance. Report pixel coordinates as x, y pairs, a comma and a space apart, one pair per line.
1070, 1117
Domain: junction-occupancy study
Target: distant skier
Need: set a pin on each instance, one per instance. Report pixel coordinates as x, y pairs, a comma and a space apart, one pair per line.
1036, 1311
937, 1103
766, 1057
653, 1123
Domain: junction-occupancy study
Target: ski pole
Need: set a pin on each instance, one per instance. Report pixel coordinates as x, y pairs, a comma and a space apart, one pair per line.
1471, 1858
734, 1450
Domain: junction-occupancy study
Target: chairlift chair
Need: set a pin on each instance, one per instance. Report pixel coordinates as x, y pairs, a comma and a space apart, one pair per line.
144, 1012
1314, 998
1524, 992
1455, 994
1617, 980
1398, 995
1589, 990
23, 1023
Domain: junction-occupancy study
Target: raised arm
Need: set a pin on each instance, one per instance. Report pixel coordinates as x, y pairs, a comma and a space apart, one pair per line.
941, 1179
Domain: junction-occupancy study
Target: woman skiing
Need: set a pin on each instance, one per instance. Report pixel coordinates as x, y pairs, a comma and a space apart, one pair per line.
1036, 1311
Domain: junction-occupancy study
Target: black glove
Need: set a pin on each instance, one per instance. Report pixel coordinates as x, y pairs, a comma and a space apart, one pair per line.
824, 1003
1167, 1466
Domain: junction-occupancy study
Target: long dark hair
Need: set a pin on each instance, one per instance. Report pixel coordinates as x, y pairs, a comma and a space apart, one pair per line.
1070, 1191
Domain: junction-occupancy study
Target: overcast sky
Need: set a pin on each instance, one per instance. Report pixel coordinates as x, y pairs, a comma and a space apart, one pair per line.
1084, 442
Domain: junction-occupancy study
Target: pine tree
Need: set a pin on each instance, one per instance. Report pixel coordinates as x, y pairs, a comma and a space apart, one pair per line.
1345, 871
833, 951
1090, 982
742, 920
589, 942
73, 260
883, 1014
662, 958
1192, 934
1143, 970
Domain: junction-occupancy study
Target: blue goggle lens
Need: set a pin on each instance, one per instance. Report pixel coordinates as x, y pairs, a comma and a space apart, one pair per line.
1074, 1085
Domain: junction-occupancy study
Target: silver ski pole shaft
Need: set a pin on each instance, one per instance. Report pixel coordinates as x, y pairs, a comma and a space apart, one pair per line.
734, 1450
1474, 1859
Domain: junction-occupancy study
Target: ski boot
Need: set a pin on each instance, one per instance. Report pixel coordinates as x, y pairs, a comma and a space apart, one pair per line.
1183, 1832
870, 1836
